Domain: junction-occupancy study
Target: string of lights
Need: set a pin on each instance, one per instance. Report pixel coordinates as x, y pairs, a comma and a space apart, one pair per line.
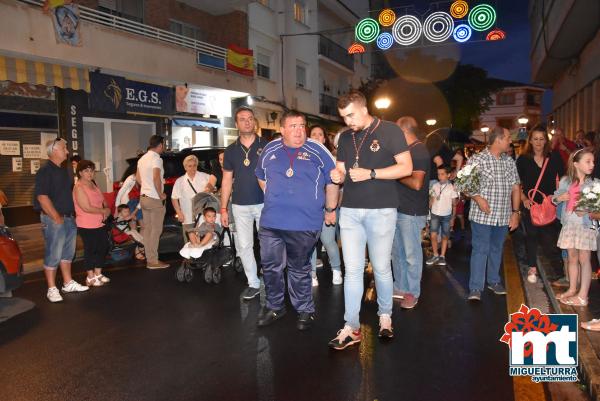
443, 21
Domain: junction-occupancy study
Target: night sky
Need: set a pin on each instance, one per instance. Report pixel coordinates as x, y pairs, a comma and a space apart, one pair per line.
507, 59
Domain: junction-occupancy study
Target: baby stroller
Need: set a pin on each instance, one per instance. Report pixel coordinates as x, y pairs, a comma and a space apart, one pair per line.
121, 245
213, 260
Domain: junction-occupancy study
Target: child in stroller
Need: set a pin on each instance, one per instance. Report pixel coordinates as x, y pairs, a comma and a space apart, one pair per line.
207, 249
204, 236
124, 231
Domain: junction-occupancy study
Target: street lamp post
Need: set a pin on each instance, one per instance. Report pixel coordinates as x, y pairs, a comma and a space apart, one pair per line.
485, 129
523, 120
382, 105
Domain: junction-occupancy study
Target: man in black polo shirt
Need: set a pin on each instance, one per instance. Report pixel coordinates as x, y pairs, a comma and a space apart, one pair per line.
239, 164
370, 160
53, 198
407, 255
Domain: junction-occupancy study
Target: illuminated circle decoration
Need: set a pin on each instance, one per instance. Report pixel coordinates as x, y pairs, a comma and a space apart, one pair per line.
367, 30
462, 33
407, 30
438, 27
459, 9
385, 41
496, 34
356, 48
387, 17
482, 17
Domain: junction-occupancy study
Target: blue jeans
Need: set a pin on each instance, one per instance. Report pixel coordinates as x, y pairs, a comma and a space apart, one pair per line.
407, 255
331, 246
488, 244
375, 229
244, 218
60, 241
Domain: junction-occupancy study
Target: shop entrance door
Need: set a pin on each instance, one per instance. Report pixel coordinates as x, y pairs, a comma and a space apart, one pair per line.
109, 143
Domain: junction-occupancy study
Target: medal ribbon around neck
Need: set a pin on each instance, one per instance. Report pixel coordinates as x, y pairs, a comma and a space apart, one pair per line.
246, 160
290, 171
367, 133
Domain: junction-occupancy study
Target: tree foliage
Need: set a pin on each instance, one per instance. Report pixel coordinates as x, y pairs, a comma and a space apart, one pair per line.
468, 92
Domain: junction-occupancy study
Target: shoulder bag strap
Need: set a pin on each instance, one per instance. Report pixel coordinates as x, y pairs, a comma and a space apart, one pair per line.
537, 184
194, 189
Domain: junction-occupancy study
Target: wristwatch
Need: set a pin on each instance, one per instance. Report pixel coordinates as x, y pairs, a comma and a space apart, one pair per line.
373, 175
330, 209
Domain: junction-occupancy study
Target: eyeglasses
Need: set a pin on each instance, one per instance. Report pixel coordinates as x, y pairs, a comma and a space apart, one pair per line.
56, 140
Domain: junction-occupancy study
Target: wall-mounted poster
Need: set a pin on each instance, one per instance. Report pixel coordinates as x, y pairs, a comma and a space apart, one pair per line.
35, 166
32, 151
202, 100
17, 164
10, 148
66, 22
44, 138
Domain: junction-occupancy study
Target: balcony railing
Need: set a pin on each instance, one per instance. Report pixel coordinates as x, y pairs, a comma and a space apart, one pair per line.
216, 54
335, 52
328, 105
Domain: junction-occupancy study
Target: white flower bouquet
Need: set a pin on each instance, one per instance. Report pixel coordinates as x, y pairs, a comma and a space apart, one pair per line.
589, 199
467, 179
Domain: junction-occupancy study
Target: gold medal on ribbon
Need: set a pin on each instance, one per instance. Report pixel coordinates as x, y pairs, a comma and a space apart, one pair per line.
289, 172
246, 162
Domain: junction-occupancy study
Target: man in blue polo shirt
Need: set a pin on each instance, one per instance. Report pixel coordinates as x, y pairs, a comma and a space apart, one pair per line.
294, 172
247, 202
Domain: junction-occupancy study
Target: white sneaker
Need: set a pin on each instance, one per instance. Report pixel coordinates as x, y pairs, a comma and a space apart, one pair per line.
337, 277
54, 295
74, 286
385, 326
315, 281
532, 276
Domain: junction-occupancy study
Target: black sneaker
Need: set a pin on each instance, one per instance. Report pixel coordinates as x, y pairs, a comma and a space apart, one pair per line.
268, 316
345, 338
474, 295
497, 288
305, 321
250, 293
441, 261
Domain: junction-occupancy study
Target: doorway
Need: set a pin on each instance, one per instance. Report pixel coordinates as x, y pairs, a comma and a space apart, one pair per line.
109, 143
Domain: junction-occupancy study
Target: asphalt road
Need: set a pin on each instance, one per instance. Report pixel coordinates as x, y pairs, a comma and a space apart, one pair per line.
145, 336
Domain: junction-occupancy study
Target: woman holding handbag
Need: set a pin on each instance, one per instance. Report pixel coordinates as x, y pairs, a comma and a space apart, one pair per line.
538, 168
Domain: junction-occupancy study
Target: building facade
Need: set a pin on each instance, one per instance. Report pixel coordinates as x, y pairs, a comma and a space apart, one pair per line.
302, 61
513, 101
565, 56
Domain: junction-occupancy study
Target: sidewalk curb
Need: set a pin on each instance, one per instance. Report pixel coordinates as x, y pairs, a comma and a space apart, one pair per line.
589, 364
524, 388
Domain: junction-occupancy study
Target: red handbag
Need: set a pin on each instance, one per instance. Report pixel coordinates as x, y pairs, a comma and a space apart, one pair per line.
543, 213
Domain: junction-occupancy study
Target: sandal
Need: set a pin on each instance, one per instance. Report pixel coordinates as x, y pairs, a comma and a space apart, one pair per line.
564, 295
574, 301
532, 275
102, 278
592, 325
93, 282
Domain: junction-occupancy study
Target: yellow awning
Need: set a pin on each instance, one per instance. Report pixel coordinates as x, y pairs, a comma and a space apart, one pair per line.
38, 73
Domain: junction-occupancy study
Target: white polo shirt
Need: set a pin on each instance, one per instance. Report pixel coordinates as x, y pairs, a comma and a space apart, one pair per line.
145, 165
443, 195
184, 192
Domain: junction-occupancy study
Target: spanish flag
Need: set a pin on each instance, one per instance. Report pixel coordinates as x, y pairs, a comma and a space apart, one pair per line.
240, 60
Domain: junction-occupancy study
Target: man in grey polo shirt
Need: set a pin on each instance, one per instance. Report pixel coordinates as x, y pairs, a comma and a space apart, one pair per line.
239, 164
